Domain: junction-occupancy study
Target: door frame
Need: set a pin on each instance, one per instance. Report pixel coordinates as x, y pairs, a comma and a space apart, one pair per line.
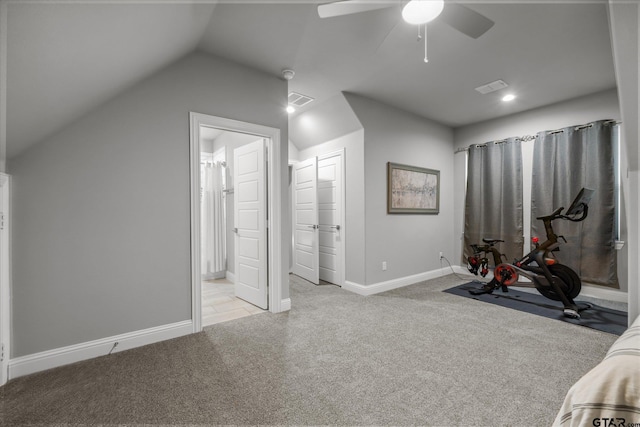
5, 279
343, 216
274, 208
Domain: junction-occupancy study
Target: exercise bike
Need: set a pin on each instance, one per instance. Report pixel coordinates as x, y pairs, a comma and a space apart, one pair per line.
553, 280
476, 263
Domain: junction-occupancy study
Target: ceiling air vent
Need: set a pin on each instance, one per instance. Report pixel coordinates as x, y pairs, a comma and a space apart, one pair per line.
491, 87
299, 100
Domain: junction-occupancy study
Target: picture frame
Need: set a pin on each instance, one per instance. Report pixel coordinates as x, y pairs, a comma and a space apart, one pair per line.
412, 189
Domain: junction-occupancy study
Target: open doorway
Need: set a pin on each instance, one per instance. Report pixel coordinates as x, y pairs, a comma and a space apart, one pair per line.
222, 300
235, 190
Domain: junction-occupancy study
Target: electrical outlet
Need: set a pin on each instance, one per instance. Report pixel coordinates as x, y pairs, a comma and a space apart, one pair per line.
384, 265
441, 255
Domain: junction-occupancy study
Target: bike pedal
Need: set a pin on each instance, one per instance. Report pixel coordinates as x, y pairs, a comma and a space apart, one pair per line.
570, 313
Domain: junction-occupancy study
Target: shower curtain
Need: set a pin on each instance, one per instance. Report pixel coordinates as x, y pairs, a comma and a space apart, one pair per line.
212, 222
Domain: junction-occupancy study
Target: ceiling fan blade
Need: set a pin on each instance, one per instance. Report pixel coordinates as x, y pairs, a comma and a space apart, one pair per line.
465, 20
347, 7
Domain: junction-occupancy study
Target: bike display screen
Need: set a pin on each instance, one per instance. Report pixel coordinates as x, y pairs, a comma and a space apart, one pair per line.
580, 202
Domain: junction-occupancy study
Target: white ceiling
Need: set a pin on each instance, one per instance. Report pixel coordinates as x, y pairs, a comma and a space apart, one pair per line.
209, 134
65, 58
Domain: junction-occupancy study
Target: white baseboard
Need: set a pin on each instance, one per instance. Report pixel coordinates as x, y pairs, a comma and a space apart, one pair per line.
285, 304
462, 271
214, 276
605, 293
25, 365
376, 288
230, 277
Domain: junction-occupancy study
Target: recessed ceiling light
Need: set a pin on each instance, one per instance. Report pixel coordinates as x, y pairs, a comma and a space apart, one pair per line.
290, 109
509, 97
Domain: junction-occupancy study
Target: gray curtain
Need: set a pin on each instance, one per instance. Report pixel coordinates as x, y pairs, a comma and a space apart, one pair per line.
493, 207
565, 161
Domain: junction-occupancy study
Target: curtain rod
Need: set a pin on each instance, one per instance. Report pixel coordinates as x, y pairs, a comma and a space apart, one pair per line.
223, 164
501, 141
586, 126
531, 138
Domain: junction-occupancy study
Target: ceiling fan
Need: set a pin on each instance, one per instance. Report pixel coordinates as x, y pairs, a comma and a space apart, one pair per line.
417, 12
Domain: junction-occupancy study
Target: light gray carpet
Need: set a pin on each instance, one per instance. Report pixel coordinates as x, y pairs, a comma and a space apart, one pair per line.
411, 356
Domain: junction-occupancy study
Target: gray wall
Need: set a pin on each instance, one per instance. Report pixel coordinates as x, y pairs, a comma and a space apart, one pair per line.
324, 122
101, 236
293, 152
408, 243
353, 145
602, 105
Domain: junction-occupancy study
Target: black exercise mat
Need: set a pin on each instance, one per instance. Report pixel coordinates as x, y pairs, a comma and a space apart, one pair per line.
595, 317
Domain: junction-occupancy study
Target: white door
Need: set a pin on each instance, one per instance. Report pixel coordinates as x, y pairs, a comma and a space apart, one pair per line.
330, 217
250, 223
4, 278
305, 208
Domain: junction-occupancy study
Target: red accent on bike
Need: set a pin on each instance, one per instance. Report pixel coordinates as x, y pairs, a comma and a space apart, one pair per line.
535, 239
549, 261
508, 272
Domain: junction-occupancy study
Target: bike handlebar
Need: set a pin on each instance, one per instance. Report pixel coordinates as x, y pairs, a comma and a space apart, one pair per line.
554, 215
557, 214
585, 212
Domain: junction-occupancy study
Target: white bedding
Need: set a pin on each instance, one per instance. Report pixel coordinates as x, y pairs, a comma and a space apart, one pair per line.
609, 394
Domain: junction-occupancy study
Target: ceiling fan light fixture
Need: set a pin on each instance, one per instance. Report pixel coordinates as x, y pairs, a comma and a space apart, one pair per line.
420, 12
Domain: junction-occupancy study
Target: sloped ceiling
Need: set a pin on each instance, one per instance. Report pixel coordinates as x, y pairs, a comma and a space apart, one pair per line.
328, 120
65, 58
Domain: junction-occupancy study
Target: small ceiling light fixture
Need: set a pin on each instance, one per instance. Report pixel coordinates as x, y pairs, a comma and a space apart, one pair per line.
420, 12
508, 97
290, 109
288, 74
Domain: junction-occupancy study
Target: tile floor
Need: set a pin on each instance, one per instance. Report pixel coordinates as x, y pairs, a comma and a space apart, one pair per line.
219, 303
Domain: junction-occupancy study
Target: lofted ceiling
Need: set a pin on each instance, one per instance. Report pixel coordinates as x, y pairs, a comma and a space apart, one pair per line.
66, 58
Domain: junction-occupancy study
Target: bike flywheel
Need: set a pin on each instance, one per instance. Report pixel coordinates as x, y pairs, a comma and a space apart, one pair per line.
506, 272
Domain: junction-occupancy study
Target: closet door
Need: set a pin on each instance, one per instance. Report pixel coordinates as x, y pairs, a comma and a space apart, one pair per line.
305, 205
330, 217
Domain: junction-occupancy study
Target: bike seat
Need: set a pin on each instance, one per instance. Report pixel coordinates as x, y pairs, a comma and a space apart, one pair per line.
491, 241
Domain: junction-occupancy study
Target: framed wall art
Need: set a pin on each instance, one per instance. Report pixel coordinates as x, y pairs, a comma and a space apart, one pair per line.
412, 190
